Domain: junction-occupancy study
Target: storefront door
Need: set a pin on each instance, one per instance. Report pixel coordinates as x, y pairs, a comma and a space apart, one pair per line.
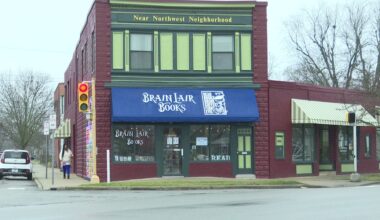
325, 153
244, 150
172, 151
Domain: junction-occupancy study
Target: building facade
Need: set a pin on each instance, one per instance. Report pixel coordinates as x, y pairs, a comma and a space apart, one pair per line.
180, 88
309, 132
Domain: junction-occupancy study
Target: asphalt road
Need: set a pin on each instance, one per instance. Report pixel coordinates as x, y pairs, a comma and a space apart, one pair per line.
20, 199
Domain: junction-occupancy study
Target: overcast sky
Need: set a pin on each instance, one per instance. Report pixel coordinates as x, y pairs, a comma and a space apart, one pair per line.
41, 35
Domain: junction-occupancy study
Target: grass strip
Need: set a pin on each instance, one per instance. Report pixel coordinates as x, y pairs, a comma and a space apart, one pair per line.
192, 183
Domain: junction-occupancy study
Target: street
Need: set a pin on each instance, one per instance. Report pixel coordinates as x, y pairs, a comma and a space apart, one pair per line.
21, 199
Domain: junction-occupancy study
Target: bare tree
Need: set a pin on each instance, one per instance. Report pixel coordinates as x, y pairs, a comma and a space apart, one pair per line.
334, 47
25, 100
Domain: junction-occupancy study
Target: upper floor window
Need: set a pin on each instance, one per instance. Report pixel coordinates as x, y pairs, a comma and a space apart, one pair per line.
141, 52
201, 52
222, 52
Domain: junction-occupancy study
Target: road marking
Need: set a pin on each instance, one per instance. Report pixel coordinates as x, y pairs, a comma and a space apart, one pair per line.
16, 188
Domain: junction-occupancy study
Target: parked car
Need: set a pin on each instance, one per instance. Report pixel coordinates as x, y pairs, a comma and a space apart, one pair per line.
16, 163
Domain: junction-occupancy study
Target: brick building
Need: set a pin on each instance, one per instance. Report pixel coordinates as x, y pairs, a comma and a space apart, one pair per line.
180, 88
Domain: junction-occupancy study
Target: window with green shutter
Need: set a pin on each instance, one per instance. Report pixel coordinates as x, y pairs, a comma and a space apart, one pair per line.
199, 52
246, 52
166, 51
183, 51
117, 50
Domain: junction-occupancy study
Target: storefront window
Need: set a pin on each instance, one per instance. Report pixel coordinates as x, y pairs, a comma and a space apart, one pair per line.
345, 144
133, 143
222, 52
199, 142
210, 142
367, 147
141, 51
303, 143
219, 142
378, 144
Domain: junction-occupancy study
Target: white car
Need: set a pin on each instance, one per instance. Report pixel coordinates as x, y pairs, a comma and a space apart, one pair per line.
16, 163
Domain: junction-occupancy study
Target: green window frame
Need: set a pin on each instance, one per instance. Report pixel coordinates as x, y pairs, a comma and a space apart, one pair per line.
204, 52
303, 143
223, 52
141, 51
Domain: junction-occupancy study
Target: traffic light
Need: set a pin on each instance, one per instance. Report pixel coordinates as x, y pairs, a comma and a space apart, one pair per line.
351, 117
83, 100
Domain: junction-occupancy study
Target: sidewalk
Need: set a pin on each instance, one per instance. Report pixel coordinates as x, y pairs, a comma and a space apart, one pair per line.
43, 183
323, 181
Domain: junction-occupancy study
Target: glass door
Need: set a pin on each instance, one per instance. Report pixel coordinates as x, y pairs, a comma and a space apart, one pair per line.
172, 151
325, 161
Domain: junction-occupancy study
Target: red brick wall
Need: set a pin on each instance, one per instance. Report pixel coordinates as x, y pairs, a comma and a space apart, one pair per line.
260, 76
211, 169
103, 95
98, 20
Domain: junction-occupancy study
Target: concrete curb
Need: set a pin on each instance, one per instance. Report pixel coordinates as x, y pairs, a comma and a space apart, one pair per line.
38, 183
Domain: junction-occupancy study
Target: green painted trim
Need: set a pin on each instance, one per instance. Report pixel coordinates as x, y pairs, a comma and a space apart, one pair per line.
166, 51
237, 52
174, 27
126, 50
199, 52
246, 52
181, 84
302, 169
117, 50
347, 168
209, 52
237, 13
185, 5
183, 51
155, 42
326, 167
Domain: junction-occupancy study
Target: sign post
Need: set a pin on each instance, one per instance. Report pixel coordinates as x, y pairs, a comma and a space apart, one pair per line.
46, 133
52, 126
355, 177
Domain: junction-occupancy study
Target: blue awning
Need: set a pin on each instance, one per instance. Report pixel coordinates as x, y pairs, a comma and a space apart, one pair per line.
183, 105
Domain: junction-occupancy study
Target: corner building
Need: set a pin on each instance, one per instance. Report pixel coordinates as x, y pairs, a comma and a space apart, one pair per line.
178, 88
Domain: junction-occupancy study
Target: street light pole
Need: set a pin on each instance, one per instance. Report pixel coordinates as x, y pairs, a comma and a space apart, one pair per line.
355, 149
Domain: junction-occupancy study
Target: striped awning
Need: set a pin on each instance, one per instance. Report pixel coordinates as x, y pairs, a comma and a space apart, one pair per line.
63, 131
329, 113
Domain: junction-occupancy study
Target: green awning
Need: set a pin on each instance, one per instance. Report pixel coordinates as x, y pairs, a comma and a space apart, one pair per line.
329, 113
63, 131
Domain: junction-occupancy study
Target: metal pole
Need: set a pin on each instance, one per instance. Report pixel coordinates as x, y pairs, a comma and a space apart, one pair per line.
46, 157
108, 167
355, 149
52, 163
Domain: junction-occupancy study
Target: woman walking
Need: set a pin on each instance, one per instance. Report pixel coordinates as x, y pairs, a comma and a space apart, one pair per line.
65, 157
